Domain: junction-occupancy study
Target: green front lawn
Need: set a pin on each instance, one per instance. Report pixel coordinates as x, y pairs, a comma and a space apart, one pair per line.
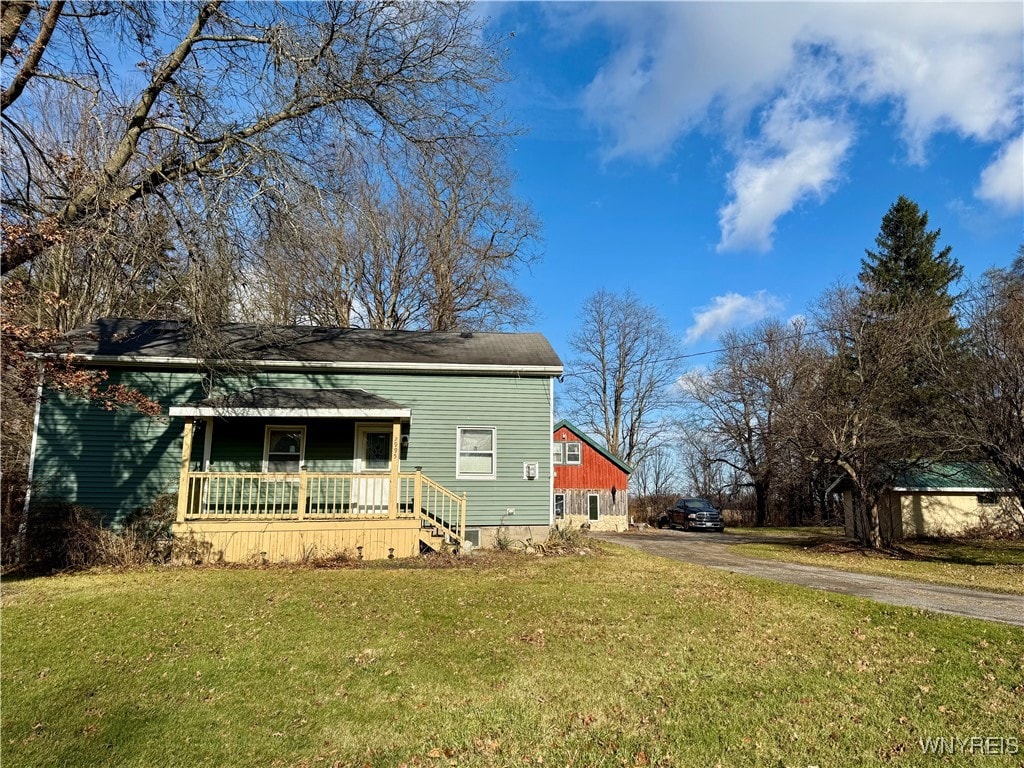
616, 659
996, 565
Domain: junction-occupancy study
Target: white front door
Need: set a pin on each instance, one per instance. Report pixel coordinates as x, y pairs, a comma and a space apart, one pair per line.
373, 460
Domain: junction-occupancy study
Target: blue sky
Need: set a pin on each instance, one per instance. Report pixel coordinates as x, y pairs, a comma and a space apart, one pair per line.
730, 161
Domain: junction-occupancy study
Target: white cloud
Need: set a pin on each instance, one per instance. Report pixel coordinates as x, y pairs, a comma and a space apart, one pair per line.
678, 62
1002, 182
799, 320
680, 67
729, 311
689, 381
797, 157
946, 66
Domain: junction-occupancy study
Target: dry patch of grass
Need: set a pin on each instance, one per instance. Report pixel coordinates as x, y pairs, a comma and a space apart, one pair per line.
617, 660
996, 565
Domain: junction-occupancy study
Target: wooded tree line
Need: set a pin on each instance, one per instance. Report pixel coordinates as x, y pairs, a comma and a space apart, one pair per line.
335, 163
891, 374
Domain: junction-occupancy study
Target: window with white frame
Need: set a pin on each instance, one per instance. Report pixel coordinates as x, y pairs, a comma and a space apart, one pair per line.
567, 453
284, 449
477, 453
559, 506
593, 507
574, 453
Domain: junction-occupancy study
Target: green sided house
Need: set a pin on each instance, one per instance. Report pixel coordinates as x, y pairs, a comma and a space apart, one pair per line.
292, 441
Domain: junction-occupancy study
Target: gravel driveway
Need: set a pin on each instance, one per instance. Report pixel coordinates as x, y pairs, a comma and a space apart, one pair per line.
715, 550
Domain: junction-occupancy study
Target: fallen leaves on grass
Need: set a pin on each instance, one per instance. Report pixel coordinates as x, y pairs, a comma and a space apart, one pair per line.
535, 638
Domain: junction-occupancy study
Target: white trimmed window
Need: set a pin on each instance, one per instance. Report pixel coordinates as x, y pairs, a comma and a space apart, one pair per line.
593, 507
477, 457
574, 453
284, 448
559, 506
567, 453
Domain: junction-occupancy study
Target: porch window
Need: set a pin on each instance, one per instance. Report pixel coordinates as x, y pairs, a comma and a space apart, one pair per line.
477, 453
284, 449
559, 506
593, 507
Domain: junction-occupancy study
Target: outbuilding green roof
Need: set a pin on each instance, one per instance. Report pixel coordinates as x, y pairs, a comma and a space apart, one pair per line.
951, 476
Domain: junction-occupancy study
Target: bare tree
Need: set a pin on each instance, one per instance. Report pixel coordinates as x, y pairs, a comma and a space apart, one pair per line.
477, 238
224, 89
619, 380
857, 421
985, 381
741, 400
657, 474
433, 246
703, 473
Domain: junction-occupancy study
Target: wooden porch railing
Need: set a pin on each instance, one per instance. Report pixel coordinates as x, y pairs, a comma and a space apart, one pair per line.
320, 496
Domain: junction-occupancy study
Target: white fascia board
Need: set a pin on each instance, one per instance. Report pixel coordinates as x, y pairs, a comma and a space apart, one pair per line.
518, 370
292, 413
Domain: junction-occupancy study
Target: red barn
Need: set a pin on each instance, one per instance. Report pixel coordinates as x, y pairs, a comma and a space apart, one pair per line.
590, 483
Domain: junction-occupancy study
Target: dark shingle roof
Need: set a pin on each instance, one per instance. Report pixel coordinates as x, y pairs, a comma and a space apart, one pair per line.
287, 401
275, 397
150, 340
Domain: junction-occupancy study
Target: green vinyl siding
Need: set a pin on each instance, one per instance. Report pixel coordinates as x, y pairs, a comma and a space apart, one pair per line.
518, 407
112, 461
118, 461
238, 443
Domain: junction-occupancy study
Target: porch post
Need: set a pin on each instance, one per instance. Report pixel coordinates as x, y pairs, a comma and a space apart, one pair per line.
417, 493
396, 454
186, 457
301, 503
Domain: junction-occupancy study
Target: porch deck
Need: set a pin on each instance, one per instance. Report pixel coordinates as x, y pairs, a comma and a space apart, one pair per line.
369, 515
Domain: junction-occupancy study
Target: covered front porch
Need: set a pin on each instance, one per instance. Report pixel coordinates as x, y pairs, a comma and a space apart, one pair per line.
283, 474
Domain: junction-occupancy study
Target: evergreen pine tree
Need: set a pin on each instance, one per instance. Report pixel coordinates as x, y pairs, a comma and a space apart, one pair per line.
906, 268
907, 274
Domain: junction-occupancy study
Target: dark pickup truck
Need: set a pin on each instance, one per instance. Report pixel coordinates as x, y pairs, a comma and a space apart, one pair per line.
692, 515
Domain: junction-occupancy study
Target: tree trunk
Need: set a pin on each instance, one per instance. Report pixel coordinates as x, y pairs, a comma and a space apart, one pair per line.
867, 526
760, 503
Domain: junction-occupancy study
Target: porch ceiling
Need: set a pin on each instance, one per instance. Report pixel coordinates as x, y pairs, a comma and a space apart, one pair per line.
279, 402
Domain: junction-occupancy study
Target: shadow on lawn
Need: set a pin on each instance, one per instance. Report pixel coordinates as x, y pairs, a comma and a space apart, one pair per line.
949, 550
